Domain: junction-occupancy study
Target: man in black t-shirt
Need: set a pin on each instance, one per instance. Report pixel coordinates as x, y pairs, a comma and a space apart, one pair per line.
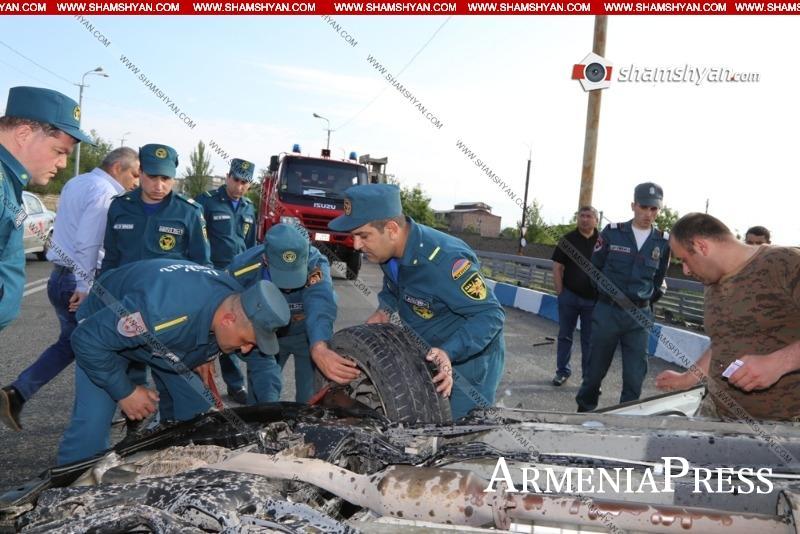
576, 295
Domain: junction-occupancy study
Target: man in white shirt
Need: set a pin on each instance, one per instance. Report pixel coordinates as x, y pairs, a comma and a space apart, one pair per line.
76, 251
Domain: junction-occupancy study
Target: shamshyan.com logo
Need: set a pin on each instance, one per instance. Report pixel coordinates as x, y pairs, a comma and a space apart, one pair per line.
596, 72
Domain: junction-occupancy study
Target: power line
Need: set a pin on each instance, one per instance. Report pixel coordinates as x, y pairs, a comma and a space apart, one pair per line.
31, 76
410, 61
20, 54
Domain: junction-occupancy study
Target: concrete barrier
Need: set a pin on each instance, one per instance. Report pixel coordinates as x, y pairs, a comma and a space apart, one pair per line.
675, 345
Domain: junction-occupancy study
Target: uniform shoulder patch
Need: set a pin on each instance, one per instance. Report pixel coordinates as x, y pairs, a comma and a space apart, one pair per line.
474, 287
314, 277
460, 266
131, 325
598, 244
665, 235
613, 225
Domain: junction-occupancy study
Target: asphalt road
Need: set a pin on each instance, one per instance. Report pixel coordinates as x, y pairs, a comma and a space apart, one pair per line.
526, 383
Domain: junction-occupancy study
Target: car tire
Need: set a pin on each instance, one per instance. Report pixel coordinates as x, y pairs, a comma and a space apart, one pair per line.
396, 378
353, 265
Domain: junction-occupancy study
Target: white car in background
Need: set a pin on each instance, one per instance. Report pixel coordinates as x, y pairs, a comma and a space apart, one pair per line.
38, 225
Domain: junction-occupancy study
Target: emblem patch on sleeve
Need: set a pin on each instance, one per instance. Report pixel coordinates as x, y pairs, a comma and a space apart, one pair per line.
475, 287
314, 277
599, 244
166, 242
423, 312
460, 266
131, 325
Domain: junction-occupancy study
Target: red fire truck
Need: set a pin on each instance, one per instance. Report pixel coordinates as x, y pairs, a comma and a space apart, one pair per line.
309, 191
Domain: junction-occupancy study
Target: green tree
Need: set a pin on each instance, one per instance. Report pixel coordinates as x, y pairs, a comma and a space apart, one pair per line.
417, 205
469, 229
91, 157
197, 176
537, 229
666, 219
254, 193
509, 233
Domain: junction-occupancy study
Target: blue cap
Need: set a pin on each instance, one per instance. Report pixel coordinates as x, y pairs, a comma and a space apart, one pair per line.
266, 308
158, 160
242, 169
48, 107
367, 203
648, 194
286, 248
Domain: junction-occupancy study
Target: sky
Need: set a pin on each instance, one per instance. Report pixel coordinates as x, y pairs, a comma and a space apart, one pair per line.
499, 84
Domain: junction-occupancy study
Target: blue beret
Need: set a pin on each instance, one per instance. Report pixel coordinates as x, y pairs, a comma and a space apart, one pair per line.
266, 308
158, 160
48, 107
286, 248
648, 194
242, 169
366, 203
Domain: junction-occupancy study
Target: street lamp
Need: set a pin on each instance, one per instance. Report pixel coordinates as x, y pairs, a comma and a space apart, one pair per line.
328, 145
124, 136
523, 226
99, 72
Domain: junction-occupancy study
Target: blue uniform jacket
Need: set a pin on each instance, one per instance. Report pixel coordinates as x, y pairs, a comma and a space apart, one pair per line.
441, 294
637, 273
173, 301
13, 178
177, 230
231, 231
313, 307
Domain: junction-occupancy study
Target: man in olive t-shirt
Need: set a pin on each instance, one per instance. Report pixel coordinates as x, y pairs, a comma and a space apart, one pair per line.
752, 315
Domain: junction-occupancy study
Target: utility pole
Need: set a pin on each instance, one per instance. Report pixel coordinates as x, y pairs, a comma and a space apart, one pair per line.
592, 119
99, 72
524, 204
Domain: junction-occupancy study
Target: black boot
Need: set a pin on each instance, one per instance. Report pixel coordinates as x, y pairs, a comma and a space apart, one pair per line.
11, 403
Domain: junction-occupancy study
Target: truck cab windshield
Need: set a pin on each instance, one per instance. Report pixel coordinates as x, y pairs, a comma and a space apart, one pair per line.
319, 178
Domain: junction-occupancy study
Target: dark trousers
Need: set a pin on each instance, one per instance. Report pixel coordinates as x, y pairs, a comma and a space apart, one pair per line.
57, 356
570, 307
611, 325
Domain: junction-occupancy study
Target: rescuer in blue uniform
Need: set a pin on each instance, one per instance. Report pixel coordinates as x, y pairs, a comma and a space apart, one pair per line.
172, 315
433, 281
152, 221
633, 256
303, 275
230, 217
37, 134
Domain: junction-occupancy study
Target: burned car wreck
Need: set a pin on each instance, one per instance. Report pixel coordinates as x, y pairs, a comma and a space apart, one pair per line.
378, 458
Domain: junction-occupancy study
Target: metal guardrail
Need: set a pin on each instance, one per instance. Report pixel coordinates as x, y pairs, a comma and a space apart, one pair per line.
683, 302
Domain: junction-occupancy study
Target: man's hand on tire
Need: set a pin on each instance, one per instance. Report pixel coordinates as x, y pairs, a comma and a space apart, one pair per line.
380, 316
139, 404
444, 378
335, 367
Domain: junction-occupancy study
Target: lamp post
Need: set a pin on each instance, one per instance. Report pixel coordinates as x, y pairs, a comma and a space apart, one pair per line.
328, 129
522, 226
124, 136
99, 72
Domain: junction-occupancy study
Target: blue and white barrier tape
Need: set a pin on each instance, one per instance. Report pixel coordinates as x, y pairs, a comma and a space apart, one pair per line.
545, 305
